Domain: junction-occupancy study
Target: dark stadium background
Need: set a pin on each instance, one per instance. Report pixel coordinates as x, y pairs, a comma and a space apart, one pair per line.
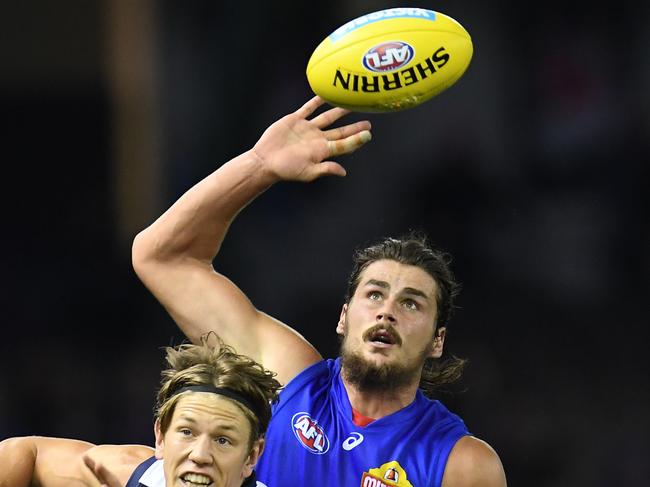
532, 171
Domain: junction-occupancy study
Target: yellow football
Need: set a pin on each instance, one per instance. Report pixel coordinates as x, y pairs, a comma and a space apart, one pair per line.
390, 60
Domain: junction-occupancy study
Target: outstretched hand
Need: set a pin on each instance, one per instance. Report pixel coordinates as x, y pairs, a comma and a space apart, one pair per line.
297, 149
104, 476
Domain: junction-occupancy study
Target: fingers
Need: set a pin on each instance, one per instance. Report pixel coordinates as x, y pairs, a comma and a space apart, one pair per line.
348, 144
327, 118
101, 473
90, 463
324, 119
347, 130
340, 140
336, 148
310, 107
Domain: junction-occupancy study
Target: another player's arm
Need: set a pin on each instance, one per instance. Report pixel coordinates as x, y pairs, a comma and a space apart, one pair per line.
473, 463
113, 465
36, 461
41, 462
173, 256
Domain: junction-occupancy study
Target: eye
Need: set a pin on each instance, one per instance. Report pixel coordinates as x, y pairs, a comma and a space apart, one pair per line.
185, 431
411, 304
222, 440
374, 295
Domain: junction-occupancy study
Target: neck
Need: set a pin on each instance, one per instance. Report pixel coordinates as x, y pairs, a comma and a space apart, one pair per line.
377, 404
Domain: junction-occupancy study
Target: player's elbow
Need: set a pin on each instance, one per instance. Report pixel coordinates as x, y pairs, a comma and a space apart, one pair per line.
144, 254
24, 444
17, 460
154, 260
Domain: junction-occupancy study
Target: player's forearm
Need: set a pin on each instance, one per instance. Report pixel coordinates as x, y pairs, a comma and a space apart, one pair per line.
17, 460
197, 223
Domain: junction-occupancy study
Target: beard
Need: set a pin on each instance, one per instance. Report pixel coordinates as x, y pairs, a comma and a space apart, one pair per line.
368, 376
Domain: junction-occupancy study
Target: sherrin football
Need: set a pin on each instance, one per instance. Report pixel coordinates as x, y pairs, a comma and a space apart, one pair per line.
390, 60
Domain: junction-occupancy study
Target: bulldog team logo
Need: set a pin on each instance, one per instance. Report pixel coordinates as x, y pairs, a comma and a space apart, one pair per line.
390, 474
309, 433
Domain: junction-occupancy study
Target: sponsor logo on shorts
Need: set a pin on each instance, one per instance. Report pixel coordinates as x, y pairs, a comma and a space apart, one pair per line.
309, 433
388, 56
390, 474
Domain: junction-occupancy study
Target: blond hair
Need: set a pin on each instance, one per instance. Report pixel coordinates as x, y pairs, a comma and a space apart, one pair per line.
217, 366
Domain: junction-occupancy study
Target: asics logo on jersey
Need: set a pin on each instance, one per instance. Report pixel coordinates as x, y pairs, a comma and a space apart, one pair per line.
355, 439
309, 433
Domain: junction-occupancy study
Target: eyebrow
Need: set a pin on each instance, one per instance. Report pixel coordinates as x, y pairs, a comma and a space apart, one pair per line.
189, 419
224, 426
375, 282
407, 290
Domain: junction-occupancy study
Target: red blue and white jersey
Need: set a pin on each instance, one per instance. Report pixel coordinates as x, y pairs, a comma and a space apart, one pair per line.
312, 440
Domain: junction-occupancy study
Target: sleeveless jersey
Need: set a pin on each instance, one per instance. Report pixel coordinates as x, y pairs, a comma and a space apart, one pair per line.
312, 440
148, 474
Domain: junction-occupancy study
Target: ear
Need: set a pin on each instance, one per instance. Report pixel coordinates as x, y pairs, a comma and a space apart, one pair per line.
340, 328
438, 342
160, 440
253, 457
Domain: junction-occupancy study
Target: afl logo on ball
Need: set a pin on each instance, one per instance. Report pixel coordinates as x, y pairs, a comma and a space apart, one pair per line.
388, 56
309, 433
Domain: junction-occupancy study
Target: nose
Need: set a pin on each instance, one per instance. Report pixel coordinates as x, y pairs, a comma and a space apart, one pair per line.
386, 317
200, 451
386, 313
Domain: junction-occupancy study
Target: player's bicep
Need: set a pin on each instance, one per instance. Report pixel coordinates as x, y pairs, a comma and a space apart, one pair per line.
197, 298
228, 312
200, 300
286, 351
57, 462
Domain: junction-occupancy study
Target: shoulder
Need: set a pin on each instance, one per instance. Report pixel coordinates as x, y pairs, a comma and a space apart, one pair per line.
473, 463
311, 385
323, 370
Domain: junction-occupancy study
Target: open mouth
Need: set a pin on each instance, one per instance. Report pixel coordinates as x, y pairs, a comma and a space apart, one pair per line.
381, 335
196, 480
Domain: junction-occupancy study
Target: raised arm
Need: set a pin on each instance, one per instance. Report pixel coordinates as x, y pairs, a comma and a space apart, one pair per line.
174, 256
59, 462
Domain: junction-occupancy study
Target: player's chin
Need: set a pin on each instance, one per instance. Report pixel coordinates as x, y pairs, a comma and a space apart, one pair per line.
381, 356
381, 349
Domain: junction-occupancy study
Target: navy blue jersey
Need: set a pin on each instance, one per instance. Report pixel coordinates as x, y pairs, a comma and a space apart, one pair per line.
134, 480
312, 440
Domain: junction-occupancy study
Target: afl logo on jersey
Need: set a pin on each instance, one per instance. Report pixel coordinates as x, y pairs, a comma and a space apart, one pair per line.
388, 56
309, 433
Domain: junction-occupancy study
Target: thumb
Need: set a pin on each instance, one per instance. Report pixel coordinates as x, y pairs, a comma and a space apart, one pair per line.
328, 168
